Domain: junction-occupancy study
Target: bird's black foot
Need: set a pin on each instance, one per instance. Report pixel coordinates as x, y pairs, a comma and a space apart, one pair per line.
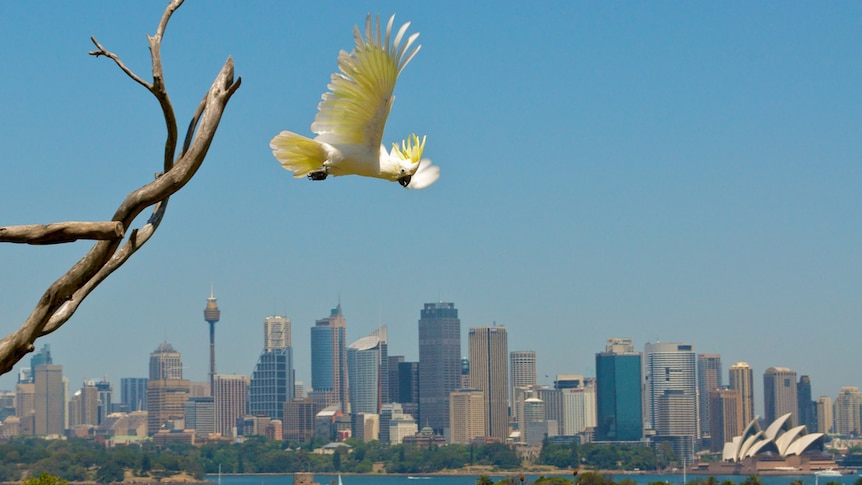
319, 175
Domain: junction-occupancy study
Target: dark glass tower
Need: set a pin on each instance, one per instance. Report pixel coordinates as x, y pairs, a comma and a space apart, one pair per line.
618, 397
807, 414
439, 363
329, 357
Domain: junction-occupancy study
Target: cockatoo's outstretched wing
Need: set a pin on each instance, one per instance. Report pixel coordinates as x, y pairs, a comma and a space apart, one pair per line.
354, 112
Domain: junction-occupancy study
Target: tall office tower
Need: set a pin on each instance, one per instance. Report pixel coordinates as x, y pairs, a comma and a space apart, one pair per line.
42, 356
522, 370
807, 409
742, 379
779, 394
825, 422
272, 381
439, 363
200, 415
133, 393
230, 392
276, 333
671, 394
553, 399
847, 409
166, 363
25, 407
87, 404
574, 411
408, 387
489, 372
382, 332
106, 391
166, 399
392, 365
708, 378
618, 395
725, 418
211, 316
363, 367
329, 359
49, 399
466, 415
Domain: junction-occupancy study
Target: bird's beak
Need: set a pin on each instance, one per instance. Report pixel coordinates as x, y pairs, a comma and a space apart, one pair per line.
404, 181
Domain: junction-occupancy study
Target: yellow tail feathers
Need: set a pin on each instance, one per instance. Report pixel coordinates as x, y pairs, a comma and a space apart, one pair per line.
297, 153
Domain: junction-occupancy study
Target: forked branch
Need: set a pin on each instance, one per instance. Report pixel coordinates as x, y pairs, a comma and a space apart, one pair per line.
62, 298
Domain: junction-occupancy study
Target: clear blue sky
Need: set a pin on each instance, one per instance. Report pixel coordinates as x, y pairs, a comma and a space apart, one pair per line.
676, 171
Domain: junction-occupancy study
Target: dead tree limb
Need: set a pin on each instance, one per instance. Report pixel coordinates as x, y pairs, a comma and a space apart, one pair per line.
62, 298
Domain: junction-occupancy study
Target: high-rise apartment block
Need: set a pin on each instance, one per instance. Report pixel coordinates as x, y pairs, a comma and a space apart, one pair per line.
488, 349
439, 363
779, 394
847, 408
742, 380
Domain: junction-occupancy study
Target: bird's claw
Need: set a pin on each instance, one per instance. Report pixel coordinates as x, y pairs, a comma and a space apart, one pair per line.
319, 175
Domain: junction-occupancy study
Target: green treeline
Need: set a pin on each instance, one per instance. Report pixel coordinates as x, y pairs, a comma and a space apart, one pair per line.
79, 460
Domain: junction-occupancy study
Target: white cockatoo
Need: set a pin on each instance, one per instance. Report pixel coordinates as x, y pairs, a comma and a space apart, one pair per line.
351, 117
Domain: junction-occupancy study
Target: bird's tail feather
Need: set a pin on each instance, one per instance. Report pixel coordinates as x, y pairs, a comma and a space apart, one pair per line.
297, 153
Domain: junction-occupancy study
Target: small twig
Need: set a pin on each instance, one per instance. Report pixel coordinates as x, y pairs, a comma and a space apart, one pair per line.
103, 52
62, 232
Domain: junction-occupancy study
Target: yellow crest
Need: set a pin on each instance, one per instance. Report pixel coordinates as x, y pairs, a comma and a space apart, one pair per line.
410, 149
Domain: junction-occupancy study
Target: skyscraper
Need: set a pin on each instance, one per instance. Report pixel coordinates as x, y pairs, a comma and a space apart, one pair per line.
329, 359
50, 399
166, 363
439, 363
825, 422
272, 381
671, 394
522, 370
230, 392
467, 415
363, 367
779, 394
618, 395
489, 373
133, 393
847, 408
708, 379
211, 316
742, 379
167, 391
408, 387
806, 406
725, 419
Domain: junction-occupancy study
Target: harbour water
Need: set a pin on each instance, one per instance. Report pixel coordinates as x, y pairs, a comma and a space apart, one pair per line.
327, 479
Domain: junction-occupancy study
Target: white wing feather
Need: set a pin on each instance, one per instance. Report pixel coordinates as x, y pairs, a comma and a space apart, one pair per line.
355, 109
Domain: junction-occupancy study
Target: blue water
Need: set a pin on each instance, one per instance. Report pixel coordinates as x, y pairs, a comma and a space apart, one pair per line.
471, 480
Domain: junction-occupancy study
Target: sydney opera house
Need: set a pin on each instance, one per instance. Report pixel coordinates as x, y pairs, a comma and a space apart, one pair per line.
781, 447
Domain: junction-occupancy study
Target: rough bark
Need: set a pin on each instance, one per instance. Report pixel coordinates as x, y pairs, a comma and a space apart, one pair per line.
62, 298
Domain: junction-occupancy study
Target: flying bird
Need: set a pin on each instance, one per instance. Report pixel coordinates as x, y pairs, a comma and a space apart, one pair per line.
352, 114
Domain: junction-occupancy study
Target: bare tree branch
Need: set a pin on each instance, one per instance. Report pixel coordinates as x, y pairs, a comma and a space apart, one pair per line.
61, 232
62, 298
